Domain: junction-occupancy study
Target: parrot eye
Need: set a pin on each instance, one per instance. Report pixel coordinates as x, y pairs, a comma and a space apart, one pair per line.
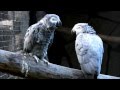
79, 27
53, 19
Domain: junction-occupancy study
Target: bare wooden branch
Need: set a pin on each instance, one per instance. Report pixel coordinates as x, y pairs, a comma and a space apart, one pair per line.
18, 64
110, 39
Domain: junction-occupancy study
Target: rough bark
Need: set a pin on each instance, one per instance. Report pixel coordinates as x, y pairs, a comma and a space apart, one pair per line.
18, 64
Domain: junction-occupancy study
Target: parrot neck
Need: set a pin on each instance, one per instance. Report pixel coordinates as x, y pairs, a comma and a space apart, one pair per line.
89, 29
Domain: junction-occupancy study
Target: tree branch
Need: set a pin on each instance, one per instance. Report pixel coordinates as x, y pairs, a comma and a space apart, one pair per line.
18, 64
110, 39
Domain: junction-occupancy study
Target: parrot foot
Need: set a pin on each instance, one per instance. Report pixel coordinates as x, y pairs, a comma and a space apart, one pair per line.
27, 54
36, 58
45, 61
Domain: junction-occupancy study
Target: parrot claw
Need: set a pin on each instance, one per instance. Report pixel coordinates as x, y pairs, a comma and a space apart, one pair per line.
36, 58
45, 61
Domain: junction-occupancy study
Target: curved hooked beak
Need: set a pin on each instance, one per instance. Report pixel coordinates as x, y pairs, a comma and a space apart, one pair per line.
59, 24
72, 32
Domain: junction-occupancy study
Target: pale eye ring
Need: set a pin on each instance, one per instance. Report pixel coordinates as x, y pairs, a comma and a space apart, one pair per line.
53, 19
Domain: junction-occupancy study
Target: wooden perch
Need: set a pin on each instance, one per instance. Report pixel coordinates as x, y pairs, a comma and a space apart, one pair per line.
110, 39
18, 64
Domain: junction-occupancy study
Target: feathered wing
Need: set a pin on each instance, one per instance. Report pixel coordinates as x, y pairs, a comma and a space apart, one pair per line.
89, 50
31, 37
28, 40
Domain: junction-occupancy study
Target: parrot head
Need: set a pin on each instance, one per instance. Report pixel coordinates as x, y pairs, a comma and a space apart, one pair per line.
82, 28
52, 21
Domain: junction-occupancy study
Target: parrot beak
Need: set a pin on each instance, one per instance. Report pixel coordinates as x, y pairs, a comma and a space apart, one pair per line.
72, 31
59, 24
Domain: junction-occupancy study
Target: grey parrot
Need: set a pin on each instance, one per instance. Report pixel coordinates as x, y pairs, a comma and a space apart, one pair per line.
40, 35
89, 50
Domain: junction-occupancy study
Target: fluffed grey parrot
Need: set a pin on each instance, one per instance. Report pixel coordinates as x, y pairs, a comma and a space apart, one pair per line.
40, 35
89, 49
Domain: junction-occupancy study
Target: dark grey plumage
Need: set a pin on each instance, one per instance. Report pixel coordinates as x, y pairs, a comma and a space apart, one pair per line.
39, 36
